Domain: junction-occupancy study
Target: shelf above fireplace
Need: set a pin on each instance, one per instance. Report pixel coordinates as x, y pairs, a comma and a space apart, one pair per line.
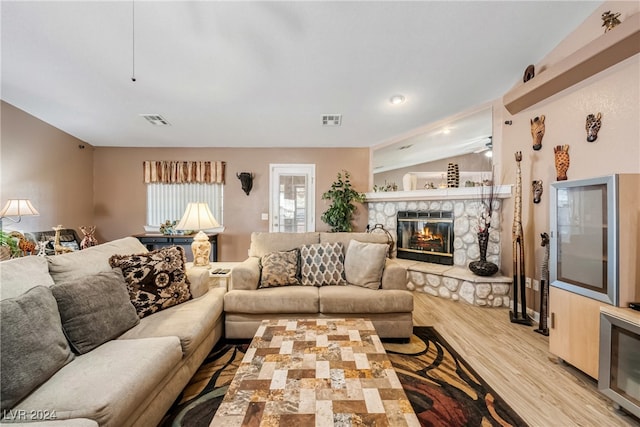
462, 193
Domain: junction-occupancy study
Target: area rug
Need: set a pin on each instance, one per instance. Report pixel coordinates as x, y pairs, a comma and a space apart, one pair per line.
442, 387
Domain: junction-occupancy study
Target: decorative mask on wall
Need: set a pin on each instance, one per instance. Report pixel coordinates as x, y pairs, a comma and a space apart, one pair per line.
537, 132
537, 190
246, 179
593, 126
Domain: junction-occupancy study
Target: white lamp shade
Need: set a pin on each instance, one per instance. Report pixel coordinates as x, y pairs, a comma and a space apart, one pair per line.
18, 207
197, 216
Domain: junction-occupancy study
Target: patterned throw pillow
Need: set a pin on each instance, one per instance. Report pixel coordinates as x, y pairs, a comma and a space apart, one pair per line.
322, 264
156, 280
279, 269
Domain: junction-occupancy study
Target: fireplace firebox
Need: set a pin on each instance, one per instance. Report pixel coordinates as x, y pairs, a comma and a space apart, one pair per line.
426, 236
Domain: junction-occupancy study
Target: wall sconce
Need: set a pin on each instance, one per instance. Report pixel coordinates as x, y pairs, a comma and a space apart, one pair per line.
246, 179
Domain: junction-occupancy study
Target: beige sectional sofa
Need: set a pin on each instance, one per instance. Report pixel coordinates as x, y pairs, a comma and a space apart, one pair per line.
246, 304
128, 381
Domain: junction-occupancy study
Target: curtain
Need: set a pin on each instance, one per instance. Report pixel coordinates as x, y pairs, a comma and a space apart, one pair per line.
180, 172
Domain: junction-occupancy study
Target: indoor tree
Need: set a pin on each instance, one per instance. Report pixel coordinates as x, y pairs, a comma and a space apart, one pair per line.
342, 196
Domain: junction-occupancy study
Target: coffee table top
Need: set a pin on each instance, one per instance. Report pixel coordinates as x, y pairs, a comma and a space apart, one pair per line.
316, 372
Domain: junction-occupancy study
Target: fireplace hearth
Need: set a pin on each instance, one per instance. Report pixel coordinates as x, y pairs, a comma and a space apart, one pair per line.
426, 236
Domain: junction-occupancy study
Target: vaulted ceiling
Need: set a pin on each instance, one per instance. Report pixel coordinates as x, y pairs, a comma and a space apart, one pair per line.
262, 74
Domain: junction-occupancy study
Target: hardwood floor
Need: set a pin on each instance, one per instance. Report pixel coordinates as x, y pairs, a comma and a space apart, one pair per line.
515, 361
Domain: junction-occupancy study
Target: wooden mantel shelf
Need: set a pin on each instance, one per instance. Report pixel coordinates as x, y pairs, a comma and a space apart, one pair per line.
607, 50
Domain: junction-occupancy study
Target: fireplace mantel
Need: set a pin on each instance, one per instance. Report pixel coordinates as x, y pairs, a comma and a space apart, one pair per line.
462, 193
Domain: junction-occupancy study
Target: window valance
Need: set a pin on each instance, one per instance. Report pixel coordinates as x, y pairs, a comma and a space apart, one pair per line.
175, 172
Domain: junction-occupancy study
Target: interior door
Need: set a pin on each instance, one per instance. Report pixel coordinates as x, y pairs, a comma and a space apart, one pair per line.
292, 198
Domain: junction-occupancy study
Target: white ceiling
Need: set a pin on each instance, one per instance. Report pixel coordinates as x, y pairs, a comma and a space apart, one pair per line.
261, 74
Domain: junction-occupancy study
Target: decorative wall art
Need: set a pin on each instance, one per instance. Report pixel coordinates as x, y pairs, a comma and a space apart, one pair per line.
537, 190
246, 181
561, 153
529, 73
593, 126
537, 132
610, 20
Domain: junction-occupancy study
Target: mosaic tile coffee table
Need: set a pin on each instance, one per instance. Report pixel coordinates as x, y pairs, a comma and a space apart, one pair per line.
320, 372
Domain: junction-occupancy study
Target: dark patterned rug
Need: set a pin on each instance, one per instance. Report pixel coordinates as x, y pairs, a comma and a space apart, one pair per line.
442, 387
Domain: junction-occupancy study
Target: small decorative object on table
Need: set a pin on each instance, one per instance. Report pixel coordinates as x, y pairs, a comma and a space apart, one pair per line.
89, 239
593, 126
537, 132
409, 182
529, 73
168, 227
59, 249
484, 267
562, 161
544, 288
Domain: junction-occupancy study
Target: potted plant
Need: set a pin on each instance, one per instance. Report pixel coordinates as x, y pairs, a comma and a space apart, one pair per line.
8, 246
342, 196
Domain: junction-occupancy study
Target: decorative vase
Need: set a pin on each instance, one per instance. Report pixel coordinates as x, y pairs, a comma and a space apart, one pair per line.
453, 175
483, 267
409, 182
561, 153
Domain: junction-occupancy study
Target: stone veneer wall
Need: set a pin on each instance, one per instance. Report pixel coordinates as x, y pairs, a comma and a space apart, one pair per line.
465, 225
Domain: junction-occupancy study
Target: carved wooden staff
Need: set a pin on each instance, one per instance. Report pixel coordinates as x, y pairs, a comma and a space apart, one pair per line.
544, 288
517, 235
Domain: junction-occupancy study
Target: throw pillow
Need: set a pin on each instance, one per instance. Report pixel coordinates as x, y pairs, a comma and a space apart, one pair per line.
322, 264
95, 309
156, 280
279, 269
364, 263
33, 344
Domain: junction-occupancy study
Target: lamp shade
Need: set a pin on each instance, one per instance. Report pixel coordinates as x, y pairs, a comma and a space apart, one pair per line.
197, 216
18, 207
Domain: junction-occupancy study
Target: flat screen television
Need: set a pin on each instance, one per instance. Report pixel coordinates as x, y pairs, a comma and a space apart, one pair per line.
584, 237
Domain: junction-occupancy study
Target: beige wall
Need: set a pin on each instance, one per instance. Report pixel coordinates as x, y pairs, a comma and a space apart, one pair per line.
44, 164
120, 193
614, 93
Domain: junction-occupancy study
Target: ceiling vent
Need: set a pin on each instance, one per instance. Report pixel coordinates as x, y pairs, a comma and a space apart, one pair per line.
156, 119
331, 119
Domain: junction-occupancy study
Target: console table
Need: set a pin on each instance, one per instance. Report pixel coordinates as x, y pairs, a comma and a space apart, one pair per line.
154, 240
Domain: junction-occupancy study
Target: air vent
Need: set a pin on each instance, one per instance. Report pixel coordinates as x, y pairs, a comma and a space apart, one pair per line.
156, 119
331, 119
404, 147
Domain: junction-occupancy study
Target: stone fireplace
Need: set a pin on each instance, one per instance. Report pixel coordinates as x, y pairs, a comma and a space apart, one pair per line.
435, 222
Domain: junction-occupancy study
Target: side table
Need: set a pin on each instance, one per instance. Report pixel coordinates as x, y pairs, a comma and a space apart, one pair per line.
220, 273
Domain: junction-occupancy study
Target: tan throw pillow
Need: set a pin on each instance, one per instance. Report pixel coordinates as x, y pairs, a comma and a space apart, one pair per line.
279, 269
156, 280
364, 263
322, 264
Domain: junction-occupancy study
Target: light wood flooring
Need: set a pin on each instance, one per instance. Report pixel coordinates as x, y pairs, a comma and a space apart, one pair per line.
515, 361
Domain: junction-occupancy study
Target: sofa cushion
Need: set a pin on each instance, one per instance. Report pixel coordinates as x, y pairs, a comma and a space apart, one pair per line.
21, 274
108, 383
279, 269
364, 263
356, 299
94, 309
92, 260
156, 280
191, 321
33, 344
322, 264
290, 299
264, 243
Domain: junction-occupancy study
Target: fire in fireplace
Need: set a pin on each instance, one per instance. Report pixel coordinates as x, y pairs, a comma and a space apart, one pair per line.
426, 236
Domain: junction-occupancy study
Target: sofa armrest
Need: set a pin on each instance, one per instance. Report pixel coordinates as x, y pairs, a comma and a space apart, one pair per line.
199, 280
246, 275
394, 276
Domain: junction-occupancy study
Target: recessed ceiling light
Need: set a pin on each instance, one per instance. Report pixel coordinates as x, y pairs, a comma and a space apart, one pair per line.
446, 131
397, 99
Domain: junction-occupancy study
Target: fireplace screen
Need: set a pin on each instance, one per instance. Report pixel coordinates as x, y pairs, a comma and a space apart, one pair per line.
426, 236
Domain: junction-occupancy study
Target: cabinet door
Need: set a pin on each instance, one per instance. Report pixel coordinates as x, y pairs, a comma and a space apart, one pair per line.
575, 329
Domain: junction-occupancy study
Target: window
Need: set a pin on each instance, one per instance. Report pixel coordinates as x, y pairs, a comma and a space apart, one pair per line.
168, 201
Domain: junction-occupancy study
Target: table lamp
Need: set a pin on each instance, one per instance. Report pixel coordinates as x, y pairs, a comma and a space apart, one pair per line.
19, 208
198, 217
